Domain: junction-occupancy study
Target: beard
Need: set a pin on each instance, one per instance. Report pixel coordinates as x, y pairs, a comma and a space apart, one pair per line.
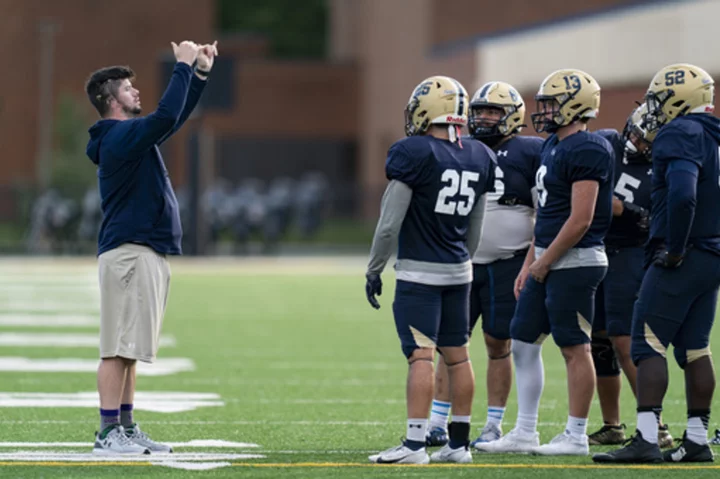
132, 110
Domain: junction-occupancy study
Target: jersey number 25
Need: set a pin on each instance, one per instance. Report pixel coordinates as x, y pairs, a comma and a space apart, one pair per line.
459, 182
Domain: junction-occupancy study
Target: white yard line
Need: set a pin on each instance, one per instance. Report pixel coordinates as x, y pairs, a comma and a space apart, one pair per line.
48, 320
208, 443
161, 367
52, 456
62, 340
164, 402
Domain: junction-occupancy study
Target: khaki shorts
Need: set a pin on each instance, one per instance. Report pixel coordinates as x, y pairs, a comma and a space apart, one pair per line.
134, 286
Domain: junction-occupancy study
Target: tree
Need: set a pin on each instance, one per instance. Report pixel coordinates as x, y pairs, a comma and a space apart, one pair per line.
296, 29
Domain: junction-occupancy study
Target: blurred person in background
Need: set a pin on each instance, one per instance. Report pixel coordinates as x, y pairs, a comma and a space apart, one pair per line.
140, 227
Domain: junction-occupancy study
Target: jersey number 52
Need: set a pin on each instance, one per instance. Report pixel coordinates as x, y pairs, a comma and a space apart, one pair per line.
459, 182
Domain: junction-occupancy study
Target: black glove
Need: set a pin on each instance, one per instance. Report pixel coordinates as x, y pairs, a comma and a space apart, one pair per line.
636, 215
664, 259
373, 286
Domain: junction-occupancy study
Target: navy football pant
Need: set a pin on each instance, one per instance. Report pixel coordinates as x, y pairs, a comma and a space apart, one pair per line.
677, 306
563, 305
617, 293
431, 316
492, 295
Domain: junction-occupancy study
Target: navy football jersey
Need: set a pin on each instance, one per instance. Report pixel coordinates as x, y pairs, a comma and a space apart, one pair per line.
580, 156
446, 180
518, 159
633, 184
694, 138
510, 212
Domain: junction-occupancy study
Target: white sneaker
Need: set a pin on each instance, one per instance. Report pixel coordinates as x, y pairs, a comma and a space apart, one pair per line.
140, 438
490, 433
460, 455
116, 442
564, 445
514, 441
401, 455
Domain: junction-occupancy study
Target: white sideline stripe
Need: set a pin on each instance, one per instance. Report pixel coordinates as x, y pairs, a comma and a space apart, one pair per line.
196, 466
161, 367
36, 287
159, 459
61, 340
164, 402
45, 320
210, 443
49, 307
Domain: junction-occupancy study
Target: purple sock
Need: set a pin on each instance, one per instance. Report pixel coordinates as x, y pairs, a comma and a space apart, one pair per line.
109, 417
126, 415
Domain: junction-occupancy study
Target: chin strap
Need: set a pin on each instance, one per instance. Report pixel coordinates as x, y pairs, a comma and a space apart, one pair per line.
454, 134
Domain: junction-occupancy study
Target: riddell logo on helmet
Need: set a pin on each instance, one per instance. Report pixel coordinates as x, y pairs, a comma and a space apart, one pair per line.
455, 119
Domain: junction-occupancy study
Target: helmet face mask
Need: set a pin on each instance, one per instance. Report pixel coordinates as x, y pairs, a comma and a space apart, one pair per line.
638, 135
548, 117
504, 113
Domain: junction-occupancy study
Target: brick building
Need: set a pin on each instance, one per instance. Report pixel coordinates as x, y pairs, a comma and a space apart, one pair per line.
263, 118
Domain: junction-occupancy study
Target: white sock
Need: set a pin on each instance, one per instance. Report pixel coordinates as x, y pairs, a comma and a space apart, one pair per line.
495, 416
529, 380
465, 419
439, 414
647, 424
577, 427
696, 431
416, 429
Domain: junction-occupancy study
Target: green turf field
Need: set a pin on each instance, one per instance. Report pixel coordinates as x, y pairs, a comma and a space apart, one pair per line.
269, 368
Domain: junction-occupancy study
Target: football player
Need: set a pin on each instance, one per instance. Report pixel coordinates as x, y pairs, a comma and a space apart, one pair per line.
497, 114
433, 209
617, 293
566, 262
679, 292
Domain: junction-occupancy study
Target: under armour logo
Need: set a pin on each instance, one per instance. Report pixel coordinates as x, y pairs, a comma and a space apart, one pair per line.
650, 172
502, 153
552, 152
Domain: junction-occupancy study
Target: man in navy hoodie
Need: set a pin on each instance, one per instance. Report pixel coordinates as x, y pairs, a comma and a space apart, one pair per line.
140, 227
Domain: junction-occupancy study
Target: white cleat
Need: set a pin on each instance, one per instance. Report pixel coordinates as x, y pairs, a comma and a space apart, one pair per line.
117, 443
489, 433
401, 455
514, 441
461, 455
564, 445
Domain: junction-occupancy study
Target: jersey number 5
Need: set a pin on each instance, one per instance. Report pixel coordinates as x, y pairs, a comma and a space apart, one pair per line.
622, 189
459, 182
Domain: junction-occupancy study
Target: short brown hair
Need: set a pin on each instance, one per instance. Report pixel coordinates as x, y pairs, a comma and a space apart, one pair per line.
103, 84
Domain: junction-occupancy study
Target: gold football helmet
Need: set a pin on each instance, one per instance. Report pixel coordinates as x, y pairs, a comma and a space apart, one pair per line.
637, 136
677, 90
565, 96
504, 97
438, 100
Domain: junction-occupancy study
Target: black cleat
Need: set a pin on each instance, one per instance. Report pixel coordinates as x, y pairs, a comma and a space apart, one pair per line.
689, 451
436, 437
636, 451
